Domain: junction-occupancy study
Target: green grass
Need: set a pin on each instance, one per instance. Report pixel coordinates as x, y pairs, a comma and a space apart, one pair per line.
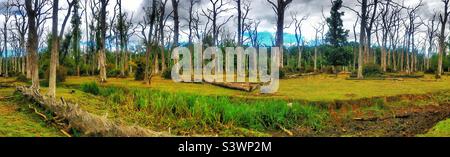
315, 88
442, 129
186, 111
16, 120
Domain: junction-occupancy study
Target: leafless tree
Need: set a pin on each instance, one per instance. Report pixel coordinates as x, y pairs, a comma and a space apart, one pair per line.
36, 17
176, 21
7, 16
243, 9
192, 21
298, 22
443, 18
431, 36
21, 27
163, 17
279, 7
213, 15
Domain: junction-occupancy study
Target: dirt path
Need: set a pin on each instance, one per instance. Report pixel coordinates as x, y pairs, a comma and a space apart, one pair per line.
16, 120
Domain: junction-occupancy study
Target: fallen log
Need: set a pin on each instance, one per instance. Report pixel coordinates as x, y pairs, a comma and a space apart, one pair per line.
247, 87
86, 123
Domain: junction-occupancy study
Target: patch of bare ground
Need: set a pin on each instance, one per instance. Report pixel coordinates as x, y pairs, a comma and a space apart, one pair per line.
401, 122
381, 117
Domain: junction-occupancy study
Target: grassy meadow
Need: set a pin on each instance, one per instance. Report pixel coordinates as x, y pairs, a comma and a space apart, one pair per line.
314, 88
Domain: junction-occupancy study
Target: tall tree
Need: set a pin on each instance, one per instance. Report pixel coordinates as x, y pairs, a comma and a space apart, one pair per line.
64, 50
279, 7
7, 16
213, 15
176, 23
431, 35
76, 35
443, 18
146, 35
101, 46
192, 20
162, 24
32, 42
362, 38
299, 36
239, 18
22, 27
337, 35
54, 52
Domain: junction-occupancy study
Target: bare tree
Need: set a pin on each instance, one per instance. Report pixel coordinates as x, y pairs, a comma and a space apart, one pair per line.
7, 15
431, 35
362, 38
101, 46
176, 21
252, 28
149, 20
163, 17
34, 10
298, 36
372, 17
318, 30
443, 18
192, 20
279, 7
22, 27
395, 37
213, 15
387, 23
243, 9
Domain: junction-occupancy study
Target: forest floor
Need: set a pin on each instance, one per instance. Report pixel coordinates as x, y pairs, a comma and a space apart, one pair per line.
17, 120
340, 107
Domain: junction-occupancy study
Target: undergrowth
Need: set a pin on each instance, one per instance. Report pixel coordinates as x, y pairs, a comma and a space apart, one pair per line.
189, 110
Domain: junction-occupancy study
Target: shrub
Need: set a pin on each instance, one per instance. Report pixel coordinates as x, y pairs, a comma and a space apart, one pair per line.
90, 88
282, 73
372, 70
430, 71
113, 73
167, 74
139, 75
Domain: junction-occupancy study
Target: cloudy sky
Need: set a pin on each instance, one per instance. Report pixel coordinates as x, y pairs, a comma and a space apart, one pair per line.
261, 10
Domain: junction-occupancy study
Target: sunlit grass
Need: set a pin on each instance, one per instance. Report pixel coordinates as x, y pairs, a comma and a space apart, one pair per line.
16, 120
442, 129
316, 88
